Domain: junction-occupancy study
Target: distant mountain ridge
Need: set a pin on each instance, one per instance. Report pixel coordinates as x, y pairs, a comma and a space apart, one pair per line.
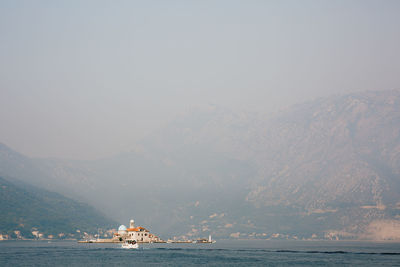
328, 168
30, 212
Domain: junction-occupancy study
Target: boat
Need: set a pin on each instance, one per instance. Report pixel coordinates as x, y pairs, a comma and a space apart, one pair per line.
130, 244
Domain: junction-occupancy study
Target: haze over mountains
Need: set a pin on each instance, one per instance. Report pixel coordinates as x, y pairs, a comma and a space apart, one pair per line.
328, 168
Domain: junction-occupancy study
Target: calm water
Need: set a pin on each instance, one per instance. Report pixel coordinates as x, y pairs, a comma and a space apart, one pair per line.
222, 253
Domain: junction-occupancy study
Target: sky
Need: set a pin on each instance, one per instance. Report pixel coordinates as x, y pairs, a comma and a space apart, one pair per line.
88, 79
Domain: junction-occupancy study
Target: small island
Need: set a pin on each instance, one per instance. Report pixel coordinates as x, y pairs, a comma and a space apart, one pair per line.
140, 235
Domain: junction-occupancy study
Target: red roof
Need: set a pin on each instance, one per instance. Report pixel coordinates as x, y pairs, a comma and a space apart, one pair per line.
137, 229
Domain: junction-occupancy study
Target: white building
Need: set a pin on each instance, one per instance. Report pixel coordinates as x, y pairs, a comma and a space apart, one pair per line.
140, 234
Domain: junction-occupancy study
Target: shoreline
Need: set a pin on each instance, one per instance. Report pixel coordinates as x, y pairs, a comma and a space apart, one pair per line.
219, 240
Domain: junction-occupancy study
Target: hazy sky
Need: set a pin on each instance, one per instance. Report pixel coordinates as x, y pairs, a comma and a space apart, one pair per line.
85, 79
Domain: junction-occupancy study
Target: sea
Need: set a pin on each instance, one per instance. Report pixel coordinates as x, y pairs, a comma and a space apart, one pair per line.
221, 253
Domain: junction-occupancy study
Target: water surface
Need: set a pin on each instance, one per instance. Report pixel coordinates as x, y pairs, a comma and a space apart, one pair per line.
222, 253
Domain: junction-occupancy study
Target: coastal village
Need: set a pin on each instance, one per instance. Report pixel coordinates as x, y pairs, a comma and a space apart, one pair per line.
143, 235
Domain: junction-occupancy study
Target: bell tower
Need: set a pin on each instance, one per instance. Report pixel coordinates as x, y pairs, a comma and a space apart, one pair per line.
132, 224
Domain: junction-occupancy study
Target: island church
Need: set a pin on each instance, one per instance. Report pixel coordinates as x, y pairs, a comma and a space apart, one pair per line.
139, 234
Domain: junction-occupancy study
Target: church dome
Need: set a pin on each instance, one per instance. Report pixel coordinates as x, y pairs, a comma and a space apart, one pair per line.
122, 228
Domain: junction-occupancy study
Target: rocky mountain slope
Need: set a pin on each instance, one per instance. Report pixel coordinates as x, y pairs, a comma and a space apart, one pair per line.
336, 157
328, 168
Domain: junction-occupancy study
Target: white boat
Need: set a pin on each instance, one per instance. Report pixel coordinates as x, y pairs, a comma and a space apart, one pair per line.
130, 244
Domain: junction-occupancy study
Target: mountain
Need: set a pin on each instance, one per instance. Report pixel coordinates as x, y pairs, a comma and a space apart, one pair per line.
328, 168
26, 209
335, 160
